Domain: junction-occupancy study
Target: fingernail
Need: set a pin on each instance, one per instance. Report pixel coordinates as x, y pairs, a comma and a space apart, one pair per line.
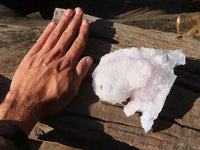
52, 24
84, 23
78, 11
68, 12
89, 61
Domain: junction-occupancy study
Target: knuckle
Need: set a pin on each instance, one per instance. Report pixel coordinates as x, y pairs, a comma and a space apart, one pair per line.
40, 41
56, 50
79, 43
47, 30
81, 67
69, 33
54, 35
67, 63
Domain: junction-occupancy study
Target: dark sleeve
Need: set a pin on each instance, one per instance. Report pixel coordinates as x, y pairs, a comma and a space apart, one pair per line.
12, 137
6, 144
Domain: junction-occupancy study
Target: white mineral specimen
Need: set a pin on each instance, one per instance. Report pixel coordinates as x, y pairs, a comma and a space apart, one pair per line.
144, 75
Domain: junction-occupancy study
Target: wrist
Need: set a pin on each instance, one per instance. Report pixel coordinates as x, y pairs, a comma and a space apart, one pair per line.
19, 111
9, 131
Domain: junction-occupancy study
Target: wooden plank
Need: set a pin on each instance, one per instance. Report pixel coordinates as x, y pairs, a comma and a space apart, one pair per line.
90, 124
151, 19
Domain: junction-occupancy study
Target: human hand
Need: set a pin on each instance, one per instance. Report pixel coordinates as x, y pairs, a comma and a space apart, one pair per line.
49, 76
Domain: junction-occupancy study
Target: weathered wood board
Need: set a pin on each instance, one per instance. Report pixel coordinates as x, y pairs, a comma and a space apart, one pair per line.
90, 124
151, 19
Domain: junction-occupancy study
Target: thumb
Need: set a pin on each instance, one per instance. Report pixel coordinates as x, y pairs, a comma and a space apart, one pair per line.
81, 70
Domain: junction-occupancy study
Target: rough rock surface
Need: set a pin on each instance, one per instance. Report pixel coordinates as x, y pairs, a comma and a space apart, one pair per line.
189, 26
90, 124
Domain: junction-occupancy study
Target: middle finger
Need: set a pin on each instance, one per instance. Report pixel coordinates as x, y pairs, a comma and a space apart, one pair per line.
69, 34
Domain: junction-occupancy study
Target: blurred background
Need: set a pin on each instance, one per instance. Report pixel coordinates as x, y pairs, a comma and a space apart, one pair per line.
107, 9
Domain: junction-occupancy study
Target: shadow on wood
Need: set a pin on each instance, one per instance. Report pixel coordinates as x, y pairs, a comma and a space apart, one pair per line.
4, 87
185, 91
100, 40
34, 145
84, 133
